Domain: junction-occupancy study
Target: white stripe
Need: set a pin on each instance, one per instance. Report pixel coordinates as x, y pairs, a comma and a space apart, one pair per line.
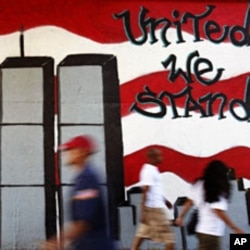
133, 61
192, 136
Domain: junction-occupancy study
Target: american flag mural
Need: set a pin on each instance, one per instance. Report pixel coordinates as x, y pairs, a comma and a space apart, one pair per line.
183, 69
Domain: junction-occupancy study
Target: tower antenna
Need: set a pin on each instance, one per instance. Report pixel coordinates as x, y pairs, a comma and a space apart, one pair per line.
22, 42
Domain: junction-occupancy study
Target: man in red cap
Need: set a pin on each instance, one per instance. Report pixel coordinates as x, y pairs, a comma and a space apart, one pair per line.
87, 230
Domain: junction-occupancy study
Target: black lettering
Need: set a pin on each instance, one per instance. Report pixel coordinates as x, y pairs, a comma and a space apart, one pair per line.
199, 72
243, 32
174, 73
247, 95
210, 100
192, 105
178, 26
212, 27
153, 26
196, 19
241, 103
238, 35
207, 106
245, 104
172, 97
146, 98
125, 15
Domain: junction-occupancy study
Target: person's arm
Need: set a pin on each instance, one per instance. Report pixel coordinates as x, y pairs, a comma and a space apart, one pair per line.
222, 214
145, 190
187, 205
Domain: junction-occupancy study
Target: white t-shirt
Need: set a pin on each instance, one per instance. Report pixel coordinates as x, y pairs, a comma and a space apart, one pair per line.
208, 222
150, 176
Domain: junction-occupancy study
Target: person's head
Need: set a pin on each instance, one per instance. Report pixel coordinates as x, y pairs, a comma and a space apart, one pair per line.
216, 181
154, 156
78, 150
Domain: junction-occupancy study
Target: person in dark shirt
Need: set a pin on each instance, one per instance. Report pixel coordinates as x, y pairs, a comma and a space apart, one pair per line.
87, 229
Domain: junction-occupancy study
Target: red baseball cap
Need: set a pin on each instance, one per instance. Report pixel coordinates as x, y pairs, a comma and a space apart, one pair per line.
82, 141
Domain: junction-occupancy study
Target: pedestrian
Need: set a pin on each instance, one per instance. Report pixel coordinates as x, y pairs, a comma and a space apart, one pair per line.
154, 223
87, 229
210, 195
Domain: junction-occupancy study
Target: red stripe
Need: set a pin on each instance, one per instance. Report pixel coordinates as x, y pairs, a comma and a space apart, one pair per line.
94, 18
187, 167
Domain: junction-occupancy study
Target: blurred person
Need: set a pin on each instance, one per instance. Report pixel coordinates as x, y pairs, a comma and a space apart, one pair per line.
154, 222
87, 228
210, 195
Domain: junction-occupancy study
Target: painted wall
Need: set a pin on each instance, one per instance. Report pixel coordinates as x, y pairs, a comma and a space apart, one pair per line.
179, 79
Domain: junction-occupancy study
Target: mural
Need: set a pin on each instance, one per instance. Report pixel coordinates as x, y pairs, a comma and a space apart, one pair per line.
179, 79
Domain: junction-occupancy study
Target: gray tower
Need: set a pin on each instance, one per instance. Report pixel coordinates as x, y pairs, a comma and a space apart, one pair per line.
27, 189
89, 103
